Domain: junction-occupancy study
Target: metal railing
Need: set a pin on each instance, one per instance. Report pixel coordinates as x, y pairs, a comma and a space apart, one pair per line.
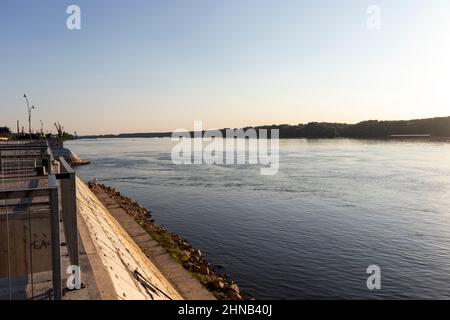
30, 214
24, 159
29, 197
24, 265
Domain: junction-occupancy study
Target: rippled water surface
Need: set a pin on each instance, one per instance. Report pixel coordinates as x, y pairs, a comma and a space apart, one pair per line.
334, 208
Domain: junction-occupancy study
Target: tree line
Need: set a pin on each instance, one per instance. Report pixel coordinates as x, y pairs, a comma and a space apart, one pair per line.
435, 127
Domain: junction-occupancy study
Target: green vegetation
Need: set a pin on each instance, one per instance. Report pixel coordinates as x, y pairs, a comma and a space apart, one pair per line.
166, 241
61, 134
435, 127
4, 130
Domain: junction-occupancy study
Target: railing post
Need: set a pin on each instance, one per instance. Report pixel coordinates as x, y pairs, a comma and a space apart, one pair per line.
56, 254
69, 210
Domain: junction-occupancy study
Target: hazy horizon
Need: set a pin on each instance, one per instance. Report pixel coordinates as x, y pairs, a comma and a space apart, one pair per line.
259, 125
151, 66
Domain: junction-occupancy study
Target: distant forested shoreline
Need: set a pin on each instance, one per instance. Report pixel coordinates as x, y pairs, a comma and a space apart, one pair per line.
433, 127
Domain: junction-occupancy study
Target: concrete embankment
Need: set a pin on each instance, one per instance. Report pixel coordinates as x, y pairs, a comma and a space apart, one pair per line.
188, 286
72, 159
174, 256
121, 270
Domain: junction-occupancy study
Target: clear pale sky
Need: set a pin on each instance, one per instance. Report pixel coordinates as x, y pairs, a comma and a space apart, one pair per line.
142, 65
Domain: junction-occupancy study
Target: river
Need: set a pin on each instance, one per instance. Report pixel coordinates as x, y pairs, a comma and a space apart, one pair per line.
309, 232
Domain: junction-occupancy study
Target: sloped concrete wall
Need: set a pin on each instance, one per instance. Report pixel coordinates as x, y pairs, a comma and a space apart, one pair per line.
119, 254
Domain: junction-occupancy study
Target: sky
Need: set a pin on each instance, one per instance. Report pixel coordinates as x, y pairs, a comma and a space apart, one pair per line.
151, 65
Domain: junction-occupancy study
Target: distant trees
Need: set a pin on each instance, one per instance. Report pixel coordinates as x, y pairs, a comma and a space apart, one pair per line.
4, 130
437, 127
323, 130
61, 134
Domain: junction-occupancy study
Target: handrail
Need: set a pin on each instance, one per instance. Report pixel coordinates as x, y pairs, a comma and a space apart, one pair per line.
51, 191
64, 165
69, 209
56, 243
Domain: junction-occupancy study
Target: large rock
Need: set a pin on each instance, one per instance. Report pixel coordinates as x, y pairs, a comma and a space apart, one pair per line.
235, 288
219, 283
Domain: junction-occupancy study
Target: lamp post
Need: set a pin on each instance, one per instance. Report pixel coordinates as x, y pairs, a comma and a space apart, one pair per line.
29, 115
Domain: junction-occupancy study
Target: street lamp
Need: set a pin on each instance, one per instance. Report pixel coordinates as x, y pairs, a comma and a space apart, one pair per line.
29, 115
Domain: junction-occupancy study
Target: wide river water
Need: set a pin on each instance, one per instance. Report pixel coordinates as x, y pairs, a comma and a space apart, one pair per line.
334, 208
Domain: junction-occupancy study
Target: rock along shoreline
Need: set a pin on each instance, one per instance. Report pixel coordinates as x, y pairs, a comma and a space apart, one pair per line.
192, 259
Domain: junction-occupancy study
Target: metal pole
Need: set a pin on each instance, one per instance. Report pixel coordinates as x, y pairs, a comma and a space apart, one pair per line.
9, 251
7, 237
30, 248
29, 114
56, 262
69, 209
29, 123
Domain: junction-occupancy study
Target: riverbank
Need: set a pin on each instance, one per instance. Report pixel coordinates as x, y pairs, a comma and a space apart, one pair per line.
179, 249
122, 271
